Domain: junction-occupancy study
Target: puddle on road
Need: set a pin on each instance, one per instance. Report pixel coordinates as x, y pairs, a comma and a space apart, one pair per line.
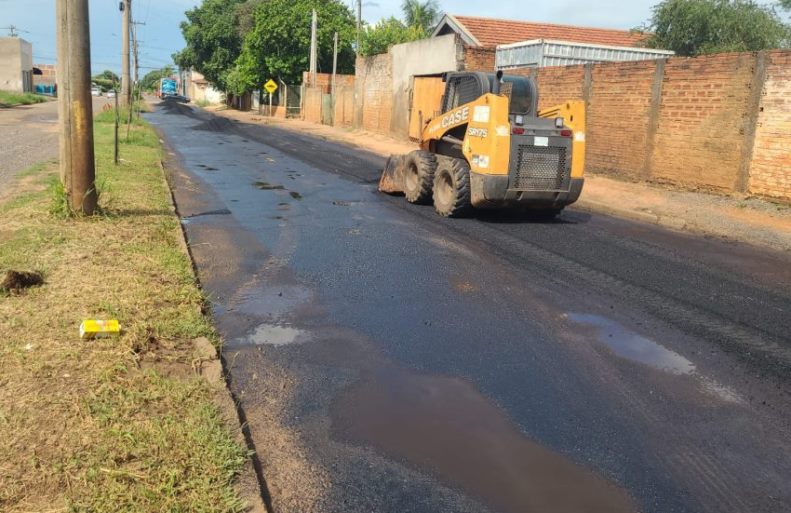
632, 346
443, 425
273, 335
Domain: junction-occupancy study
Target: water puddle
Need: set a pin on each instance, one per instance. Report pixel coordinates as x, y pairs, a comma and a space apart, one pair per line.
274, 335
271, 301
444, 426
632, 346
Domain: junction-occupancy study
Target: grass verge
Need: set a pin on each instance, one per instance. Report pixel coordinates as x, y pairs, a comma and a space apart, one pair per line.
120, 424
12, 99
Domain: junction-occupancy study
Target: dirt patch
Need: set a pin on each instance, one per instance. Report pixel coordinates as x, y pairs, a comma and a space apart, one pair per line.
16, 281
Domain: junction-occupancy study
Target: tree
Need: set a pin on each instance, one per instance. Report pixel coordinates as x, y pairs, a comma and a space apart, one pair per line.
150, 81
785, 4
213, 38
421, 15
279, 42
386, 33
106, 80
696, 27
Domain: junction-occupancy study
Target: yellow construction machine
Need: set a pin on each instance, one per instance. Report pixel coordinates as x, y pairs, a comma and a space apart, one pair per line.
490, 147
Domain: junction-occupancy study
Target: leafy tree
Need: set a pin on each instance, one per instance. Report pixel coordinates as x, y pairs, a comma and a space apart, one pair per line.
386, 33
150, 81
106, 80
785, 4
213, 39
696, 27
278, 45
421, 15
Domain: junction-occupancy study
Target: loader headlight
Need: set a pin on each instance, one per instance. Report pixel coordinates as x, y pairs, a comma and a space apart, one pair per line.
559, 122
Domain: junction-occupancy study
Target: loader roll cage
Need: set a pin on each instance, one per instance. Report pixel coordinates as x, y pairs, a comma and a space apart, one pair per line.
465, 87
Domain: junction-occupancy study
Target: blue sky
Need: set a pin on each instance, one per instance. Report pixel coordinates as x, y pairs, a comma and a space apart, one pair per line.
160, 37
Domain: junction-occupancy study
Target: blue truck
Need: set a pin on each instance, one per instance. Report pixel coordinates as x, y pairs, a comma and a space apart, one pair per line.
168, 87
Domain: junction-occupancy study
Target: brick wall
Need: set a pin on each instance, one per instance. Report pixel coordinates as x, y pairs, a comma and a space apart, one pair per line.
770, 169
700, 136
374, 91
324, 80
479, 59
720, 122
48, 74
618, 116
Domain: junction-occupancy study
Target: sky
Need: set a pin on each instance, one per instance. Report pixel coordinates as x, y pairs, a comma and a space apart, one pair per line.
160, 36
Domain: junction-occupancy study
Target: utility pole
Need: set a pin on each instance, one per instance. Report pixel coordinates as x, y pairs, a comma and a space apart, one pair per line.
313, 48
334, 70
75, 108
126, 17
359, 23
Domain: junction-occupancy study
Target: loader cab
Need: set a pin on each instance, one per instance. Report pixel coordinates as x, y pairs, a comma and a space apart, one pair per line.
462, 88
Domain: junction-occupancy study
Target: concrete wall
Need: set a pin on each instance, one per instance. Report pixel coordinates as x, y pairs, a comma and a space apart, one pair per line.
16, 64
719, 122
424, 57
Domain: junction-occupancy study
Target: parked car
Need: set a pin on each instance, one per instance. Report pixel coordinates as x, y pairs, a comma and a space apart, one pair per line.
111, 94
95, 91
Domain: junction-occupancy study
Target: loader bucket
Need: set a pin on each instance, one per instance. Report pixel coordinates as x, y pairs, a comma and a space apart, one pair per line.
392, 181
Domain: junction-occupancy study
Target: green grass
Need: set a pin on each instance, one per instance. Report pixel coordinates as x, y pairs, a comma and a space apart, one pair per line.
203, 103
122, 424
12, 99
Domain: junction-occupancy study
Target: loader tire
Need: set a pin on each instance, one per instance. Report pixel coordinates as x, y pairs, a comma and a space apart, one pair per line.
419, 167
452, 188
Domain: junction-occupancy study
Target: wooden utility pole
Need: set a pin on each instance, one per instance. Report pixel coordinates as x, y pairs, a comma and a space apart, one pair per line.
313, 48
126, 89
75, 108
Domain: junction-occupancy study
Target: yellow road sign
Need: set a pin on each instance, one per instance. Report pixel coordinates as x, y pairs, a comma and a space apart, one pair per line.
270, 86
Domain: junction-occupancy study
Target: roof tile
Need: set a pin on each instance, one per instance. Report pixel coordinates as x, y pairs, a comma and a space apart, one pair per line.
492, 32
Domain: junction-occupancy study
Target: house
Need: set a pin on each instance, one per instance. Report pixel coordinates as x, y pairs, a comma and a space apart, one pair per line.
490, 32
16, 65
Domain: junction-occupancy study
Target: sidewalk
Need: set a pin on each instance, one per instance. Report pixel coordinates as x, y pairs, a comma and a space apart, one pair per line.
752, 220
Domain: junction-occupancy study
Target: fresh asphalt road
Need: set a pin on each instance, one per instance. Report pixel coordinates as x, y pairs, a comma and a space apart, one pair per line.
386, 359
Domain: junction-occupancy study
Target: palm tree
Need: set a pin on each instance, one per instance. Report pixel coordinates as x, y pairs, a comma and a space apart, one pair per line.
422, 15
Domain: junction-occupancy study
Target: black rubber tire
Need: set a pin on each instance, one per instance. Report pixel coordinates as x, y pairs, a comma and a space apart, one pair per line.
419, 167
452, 188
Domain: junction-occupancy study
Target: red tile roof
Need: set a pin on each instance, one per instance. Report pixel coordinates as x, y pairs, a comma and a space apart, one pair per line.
492, 32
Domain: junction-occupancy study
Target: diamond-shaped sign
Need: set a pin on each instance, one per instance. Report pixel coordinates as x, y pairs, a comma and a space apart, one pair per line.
270, 86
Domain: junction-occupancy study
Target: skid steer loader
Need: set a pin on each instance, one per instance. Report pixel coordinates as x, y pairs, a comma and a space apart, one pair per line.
490, 148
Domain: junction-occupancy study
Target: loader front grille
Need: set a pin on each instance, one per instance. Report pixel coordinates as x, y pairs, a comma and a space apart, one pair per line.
541, 168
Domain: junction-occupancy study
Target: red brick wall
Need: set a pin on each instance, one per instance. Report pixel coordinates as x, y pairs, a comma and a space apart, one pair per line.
374, 89
700, 135
48, 74
696, 131
324, 80
479, 59
618, 116
770, 170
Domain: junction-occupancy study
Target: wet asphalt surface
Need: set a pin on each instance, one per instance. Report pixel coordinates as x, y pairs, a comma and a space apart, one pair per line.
390, 360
